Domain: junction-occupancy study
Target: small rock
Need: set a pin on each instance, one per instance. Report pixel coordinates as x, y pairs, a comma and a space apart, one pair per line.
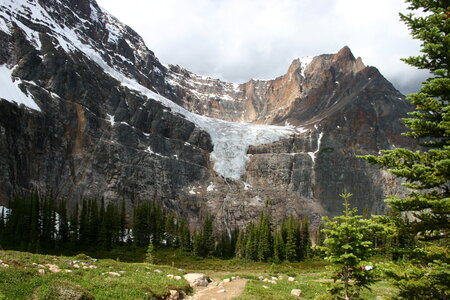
265, 286
265, 280
158, 271
173, 295
68, 271
76, 266
177, 277
280, 277
274, 278
291, 279
41, 271
53, 268
226, 280
261, 277
221, 291
85, 267
272, 281
92, 267
1, 261
3, 265
238, 277
233, 278
41, 266
114, 274
180, 270
170, 276
121, 272
296, 292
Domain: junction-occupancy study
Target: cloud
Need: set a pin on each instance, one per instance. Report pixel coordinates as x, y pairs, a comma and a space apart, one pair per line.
236, 40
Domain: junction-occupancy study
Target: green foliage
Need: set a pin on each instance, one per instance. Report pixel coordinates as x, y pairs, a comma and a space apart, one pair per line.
426, 171
149, 255
347, 245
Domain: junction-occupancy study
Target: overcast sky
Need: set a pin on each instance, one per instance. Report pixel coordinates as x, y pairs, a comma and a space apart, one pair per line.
236, 40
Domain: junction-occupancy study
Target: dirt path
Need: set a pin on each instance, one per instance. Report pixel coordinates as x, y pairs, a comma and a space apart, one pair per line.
219, 290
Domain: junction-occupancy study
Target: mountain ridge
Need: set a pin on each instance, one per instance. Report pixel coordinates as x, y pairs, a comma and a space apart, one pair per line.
117, 124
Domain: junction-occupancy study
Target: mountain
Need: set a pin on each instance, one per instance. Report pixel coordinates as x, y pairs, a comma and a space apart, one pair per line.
87, 110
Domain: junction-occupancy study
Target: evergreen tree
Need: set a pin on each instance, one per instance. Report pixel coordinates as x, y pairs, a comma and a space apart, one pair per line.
197, 245
426, 171
149, 256
291, 241
74, 226
208, 236
347, 245
251, 244
185, 236
305, 239
35, 229
278, 247
94, 222
122, 222
264, 238
84, 223
240, 245
63, 230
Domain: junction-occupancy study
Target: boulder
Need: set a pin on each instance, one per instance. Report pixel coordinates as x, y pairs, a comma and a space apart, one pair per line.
197, 279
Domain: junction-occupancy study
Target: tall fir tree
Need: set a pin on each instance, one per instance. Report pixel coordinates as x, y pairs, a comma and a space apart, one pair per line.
426, 171
290, 246
264, 237
208, 236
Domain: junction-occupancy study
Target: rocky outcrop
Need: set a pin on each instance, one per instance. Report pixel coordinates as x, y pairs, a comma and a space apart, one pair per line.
97, 116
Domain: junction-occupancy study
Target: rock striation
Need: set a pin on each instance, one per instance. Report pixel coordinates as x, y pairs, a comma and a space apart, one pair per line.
87, 110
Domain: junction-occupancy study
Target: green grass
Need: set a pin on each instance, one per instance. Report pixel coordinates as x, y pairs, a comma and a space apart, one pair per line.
138, 280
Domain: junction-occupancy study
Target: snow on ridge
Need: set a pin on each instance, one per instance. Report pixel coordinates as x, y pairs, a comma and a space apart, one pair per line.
11, 92
230, 140
305, 61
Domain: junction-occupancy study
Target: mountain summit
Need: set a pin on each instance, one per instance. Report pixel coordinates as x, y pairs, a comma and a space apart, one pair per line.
87, 110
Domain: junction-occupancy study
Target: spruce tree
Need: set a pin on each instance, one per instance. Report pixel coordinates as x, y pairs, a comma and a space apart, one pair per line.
347, 246
278, 247
239, 251
251, 243
63, 230
74, 226
426, 171
264, 238
208, 236
291, 241
305, 240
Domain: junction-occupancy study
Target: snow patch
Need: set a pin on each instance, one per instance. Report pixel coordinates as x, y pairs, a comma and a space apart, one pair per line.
10, 90
211, 187
305, 61
247, 186
6, 211
111, 119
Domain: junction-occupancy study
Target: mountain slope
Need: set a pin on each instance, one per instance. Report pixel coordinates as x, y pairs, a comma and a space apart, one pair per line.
102, 117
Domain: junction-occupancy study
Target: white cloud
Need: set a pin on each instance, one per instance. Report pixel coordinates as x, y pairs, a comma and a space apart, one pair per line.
236, 40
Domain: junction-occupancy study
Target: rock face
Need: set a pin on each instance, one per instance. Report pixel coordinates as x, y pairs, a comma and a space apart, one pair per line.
91, 112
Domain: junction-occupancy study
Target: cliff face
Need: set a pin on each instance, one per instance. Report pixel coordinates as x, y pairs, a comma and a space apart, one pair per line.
88, 111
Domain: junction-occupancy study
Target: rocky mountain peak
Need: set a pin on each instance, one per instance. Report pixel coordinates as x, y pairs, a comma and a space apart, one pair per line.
87, 110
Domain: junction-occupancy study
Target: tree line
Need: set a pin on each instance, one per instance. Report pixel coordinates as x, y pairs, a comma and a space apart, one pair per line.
41, 223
